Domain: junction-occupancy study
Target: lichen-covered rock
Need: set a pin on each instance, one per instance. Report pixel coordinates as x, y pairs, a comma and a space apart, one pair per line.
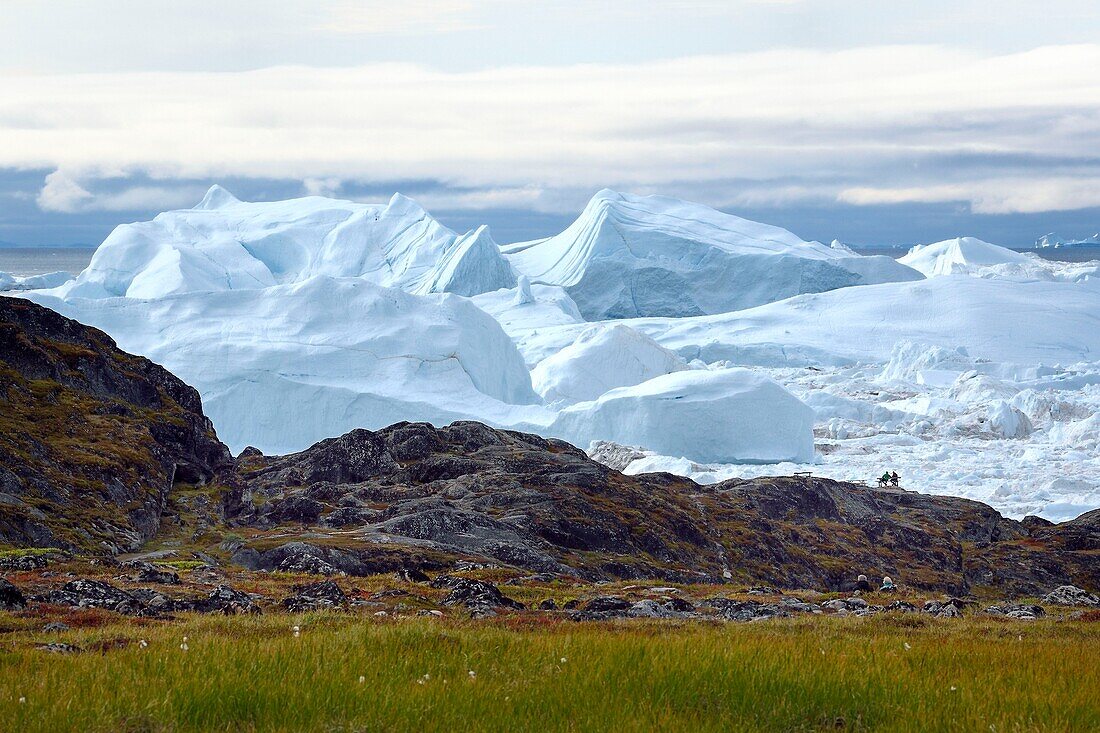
307, 564
1018, 611
149, 573
92, 439
315, 596
23, 562
476, 595
86, 593
412, 575
223, 599
950, 608
1070, 595
733, 610
469, 492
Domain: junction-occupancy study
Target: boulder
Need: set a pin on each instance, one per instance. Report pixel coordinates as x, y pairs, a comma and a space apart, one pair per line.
951, 608
650, 608
307, 564
85, 593
222, 599
1071, 595
1019, 611
11, 598
149, 573
23, 563
732, 610
315, 596
479, 597
412, 575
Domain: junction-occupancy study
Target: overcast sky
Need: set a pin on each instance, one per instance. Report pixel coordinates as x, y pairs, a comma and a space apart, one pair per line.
874, 122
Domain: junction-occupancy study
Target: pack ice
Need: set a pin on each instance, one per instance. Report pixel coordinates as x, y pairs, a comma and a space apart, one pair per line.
971, 256
663, 334
33, 282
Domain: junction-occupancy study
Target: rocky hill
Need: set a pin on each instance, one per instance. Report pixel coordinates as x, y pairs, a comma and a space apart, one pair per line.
432, 495
92, 439
97, 445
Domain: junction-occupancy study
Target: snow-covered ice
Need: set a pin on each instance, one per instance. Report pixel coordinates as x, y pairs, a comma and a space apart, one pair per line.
226, 244
665, 335
720, 415
282, 367
628, 256
10, 282
960, 256
970, 256
602, 358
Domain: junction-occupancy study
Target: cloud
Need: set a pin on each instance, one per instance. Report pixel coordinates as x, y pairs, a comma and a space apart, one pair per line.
996, 196
862, 126
322, 186
64, 194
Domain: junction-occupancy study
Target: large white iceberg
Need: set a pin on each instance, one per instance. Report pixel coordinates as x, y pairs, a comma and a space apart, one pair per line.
226, 244
1003, 321
283, 367
602, 358
960, 256
628, 256
728, 415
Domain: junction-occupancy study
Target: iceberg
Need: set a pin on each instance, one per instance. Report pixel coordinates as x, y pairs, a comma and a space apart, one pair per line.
227, 244
970, 256
1022, 323
602, 358
9, 282
283, 367
728, 415
1053, 240
628, 256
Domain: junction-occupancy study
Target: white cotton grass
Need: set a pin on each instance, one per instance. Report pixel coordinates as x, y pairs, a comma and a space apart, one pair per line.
297, 630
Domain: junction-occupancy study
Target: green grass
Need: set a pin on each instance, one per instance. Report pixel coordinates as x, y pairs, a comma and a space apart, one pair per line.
180, 564
800, 674
36, 551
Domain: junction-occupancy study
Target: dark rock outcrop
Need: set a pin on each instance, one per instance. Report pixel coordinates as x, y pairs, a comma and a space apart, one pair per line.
1069, 595
469, 492
87, 593
315, 596
91, 438
479, 597
11, 598
222, 599
149, 573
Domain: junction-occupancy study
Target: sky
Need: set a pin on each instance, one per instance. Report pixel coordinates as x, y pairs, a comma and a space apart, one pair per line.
879, 124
